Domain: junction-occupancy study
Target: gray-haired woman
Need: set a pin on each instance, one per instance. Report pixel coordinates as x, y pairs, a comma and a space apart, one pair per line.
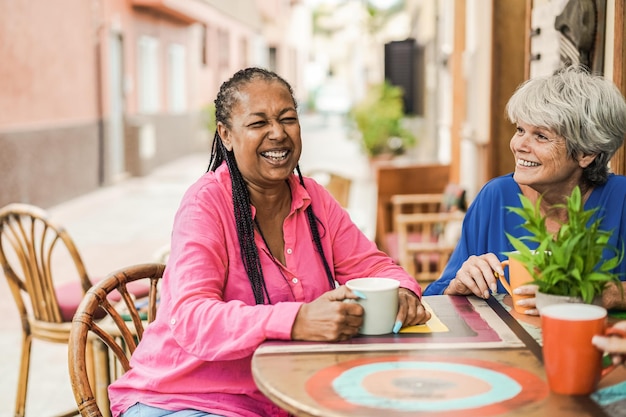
568, 126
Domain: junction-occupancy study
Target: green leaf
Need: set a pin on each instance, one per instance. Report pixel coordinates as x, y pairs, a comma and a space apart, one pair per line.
568, 262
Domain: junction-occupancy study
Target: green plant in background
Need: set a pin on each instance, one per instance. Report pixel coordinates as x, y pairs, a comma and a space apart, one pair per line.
570, 261
378, 117
208, 116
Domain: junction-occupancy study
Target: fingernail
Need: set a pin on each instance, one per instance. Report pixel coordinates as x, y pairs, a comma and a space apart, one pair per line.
494, 288
397, 326
359, 294
486, 294
517, 291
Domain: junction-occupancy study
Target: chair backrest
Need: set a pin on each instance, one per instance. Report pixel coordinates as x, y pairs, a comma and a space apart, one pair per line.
31, 247
426, 230
452, 199
425, 242
120, 330
392, 179
336, 184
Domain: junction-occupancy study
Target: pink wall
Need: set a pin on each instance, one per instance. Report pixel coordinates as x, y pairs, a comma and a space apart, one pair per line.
47, 69
203, 80
58, 137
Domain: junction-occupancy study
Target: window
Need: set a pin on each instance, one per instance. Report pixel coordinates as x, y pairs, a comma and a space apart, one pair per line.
177, 80
148, 75
204, 33
243, 51
273, 64
223, 50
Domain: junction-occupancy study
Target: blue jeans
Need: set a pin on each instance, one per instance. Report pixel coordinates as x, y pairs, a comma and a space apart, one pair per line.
142, 410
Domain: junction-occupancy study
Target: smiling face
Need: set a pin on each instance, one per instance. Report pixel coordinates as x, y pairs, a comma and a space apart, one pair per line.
264, 133
542, 161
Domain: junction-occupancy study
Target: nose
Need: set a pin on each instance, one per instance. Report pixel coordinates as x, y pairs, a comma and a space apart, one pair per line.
276, 130
519, 142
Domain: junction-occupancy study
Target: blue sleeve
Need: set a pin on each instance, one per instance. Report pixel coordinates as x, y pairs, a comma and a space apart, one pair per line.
484, 227
611, 197
487, 220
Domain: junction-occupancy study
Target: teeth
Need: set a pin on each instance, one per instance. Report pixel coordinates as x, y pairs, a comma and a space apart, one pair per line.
275, 154
525, 163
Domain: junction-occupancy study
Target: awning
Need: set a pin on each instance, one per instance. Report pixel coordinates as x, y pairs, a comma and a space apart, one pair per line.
179, 9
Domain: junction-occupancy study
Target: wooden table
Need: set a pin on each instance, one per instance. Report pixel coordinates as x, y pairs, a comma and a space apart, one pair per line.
443, 373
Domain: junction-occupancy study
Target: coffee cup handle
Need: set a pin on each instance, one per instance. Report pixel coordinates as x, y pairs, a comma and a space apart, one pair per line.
502, 278
612, 331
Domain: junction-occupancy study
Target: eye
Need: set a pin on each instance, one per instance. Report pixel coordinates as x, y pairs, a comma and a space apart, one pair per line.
519, 130
289, 120
258, 123
542, 135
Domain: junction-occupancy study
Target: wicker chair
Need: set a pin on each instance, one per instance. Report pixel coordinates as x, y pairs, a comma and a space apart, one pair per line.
119, 332
31, 247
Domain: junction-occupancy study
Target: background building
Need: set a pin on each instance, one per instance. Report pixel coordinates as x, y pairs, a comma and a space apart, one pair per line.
92, 91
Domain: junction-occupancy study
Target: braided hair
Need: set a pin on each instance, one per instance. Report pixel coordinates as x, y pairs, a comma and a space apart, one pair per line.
226, 99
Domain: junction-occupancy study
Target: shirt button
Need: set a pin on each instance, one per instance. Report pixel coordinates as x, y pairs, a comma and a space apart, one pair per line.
294, 280
289, 251
173, 321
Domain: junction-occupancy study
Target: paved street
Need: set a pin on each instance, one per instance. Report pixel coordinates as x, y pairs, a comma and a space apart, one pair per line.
127, 223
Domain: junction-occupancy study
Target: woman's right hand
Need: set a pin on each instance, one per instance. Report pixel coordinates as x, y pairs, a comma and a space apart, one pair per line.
328, 318
476, 276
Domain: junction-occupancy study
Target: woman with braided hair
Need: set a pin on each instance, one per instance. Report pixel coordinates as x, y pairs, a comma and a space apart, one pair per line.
258, 252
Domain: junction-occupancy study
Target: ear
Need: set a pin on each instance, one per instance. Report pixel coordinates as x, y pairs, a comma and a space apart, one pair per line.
224, 133
585, 160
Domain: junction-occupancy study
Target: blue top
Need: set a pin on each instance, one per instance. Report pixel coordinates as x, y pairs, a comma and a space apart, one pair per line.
487, 220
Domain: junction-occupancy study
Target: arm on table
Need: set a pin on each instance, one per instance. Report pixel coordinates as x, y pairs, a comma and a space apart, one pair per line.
614, 298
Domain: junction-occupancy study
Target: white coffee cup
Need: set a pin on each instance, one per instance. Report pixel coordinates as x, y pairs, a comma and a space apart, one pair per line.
380, 303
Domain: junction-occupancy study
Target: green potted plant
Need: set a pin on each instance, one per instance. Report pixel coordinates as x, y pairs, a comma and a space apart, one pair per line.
208, 116
378, 118
568, 263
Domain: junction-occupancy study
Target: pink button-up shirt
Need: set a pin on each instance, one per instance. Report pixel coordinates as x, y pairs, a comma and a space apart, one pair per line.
197, 352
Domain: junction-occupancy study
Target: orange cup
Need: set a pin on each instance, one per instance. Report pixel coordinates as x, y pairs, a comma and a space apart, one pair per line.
573, 364
518, 275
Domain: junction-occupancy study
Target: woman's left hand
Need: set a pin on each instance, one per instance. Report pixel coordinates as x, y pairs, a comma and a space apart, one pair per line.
614, 345
530, 304
411, 311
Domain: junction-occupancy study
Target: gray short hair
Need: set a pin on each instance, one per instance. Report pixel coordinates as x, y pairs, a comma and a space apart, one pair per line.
587, 110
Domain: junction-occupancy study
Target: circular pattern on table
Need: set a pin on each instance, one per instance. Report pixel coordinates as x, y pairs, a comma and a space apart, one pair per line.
440, 385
